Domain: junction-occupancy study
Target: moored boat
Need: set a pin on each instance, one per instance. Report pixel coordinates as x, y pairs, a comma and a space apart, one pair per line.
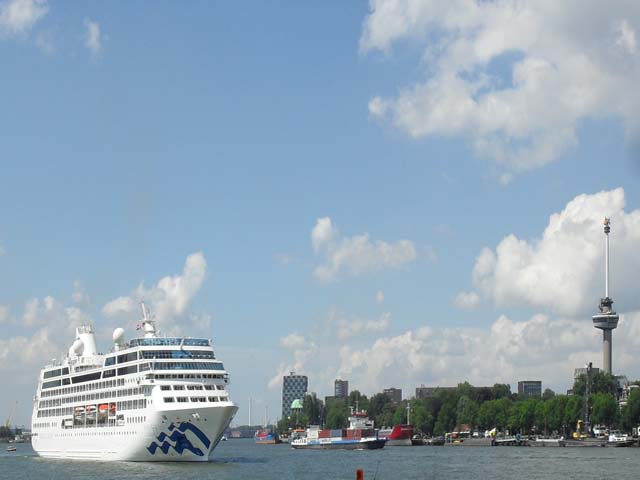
398, 436
619, 439
266, 437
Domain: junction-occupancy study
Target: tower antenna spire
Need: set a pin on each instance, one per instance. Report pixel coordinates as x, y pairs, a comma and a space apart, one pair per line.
607, 319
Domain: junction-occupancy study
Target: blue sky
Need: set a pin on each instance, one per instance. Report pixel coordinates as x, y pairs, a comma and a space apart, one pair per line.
133, 137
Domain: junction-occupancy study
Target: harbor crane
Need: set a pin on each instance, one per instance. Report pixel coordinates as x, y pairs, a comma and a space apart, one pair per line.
7, 423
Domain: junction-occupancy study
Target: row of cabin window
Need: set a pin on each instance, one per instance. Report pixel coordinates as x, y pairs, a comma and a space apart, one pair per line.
119, 382
56, 402
56, 373
193, 399
188, 342
131, 356
180, 376
143, 367
192, 387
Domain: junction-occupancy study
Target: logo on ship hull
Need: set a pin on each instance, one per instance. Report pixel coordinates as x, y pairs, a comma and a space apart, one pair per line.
178, 441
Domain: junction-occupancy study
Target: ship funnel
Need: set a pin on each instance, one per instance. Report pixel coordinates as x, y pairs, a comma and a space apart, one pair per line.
76, 349
87, 337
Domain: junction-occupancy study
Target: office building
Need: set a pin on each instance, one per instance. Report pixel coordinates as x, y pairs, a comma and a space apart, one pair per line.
393, 394
294, 387
341, 388
530, 388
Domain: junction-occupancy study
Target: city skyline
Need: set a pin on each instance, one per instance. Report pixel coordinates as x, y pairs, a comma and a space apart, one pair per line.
366, 191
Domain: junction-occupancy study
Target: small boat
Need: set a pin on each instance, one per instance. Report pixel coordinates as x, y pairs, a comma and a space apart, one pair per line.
11, 448
91, 412
619, 439
547, 442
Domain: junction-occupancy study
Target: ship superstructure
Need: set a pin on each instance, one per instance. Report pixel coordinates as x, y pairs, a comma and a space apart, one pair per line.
150, 399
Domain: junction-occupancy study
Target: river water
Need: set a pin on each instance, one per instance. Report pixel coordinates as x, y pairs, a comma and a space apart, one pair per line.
241, 459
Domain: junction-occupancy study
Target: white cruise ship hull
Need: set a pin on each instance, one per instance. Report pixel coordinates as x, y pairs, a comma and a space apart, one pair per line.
177, 435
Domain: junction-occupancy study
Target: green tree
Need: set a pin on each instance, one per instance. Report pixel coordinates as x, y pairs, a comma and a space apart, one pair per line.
524, 413
573, 412
357, 399
337, 415
542, 416
605, 409
548, 394
446, 420
376, 407
400, 414
556, 413
312, 410
601, 382
466, 411
500, 390
631, 411
421, 417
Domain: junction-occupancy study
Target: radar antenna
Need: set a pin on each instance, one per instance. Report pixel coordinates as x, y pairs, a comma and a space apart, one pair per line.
148, 324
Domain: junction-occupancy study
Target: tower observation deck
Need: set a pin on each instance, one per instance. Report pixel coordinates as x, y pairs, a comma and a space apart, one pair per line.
607, 319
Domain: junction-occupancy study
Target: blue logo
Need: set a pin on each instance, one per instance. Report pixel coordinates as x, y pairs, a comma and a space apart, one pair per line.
180, 440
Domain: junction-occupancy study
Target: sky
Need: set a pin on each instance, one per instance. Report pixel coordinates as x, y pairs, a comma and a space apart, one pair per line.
394, 192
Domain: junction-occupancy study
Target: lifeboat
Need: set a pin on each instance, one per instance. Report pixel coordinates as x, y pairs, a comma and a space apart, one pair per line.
112, 408
79, 411
102, 409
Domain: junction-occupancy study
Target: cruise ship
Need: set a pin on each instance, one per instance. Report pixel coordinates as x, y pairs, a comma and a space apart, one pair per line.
151, 398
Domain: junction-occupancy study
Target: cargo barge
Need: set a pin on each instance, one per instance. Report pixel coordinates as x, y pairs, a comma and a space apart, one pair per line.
361, 435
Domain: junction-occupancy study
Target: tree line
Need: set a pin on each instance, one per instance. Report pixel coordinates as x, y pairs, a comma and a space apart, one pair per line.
481, 409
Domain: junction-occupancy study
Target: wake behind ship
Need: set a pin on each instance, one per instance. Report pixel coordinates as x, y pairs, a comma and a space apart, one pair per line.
150, 399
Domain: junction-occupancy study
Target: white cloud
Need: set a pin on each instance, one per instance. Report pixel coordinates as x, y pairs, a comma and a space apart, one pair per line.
79, 295
92, 36
17, 17
45, 42
541, 347
563, 271
466, 300
302, 351
348, 328
355, 255
170, 298
626, 37
293, 341
285, 259
5, 316
569, 61
379, 297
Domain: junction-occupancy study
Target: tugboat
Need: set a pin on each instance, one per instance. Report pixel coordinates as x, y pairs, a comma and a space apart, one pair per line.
361, 435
